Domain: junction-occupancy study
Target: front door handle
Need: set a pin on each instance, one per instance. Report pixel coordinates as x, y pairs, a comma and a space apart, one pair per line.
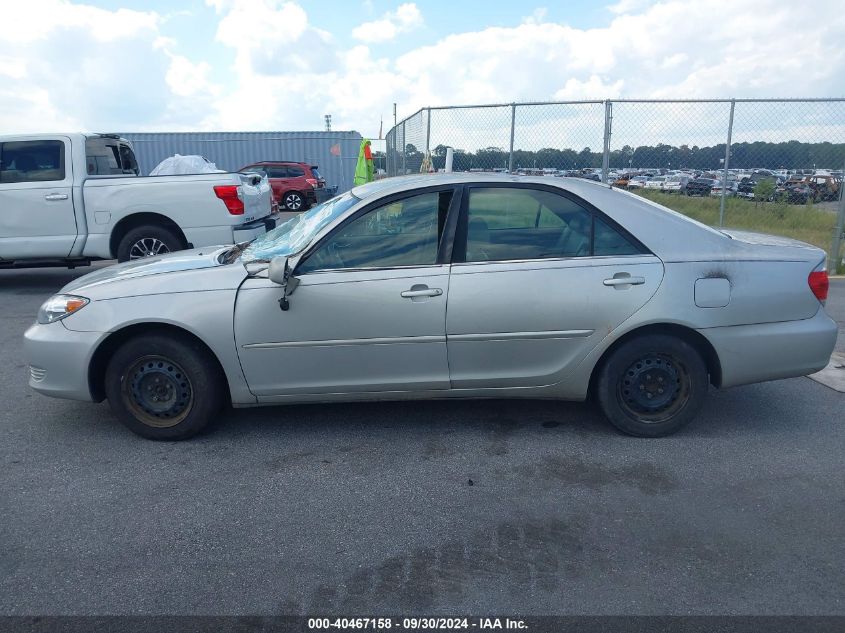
421, 291
624, 281
56, 196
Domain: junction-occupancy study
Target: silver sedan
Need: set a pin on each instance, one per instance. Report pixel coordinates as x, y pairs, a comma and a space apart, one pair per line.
443, 286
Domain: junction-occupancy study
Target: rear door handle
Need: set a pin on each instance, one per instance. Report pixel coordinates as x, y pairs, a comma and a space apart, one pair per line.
56, 196
421, 292
624, 281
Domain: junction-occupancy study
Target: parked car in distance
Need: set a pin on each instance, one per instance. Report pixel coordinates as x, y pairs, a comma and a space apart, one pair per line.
825, 187
622, 180
655, 182
700, 186
676, 184
637, 182
796, 191
556, 288
748, 187
68, 199
295, 185
730, 188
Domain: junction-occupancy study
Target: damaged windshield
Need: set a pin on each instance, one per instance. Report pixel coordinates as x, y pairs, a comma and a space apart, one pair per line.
295, 234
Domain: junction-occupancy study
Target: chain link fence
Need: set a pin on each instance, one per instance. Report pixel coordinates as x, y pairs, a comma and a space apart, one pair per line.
741, 155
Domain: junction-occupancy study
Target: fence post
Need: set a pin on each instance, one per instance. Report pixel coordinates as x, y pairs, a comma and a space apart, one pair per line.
428, 130
404, 145
835, 249
608, 122
513, 130
727, 160
391, 152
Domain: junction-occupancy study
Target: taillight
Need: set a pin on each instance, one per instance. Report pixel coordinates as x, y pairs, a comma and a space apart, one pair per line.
312, 182
231, 197
819, 284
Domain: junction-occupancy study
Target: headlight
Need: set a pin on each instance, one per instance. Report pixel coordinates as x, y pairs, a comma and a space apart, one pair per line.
58, 307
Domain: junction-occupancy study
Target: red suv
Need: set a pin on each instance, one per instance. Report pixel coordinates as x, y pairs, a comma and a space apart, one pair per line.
294, 185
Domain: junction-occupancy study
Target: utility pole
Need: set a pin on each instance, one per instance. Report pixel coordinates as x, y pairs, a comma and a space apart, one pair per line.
328, 118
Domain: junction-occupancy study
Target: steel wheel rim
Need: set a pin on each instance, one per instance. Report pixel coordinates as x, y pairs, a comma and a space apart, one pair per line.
293, 201
158, 391
147, 247
654, 388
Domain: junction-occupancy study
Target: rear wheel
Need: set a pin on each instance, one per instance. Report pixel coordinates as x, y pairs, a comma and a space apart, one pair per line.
164, 387
652, 386
293, 201
147, 241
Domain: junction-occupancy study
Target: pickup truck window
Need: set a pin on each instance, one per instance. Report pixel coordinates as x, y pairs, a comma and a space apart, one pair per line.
108, 157
32, 161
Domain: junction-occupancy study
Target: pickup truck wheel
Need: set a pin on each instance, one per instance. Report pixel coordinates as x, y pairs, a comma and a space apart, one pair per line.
293, 201
147, 241
652, 386
163, 387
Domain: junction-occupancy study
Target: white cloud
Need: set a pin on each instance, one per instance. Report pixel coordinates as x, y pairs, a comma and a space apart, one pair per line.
593, 88
271, 37
628, 6
405, 18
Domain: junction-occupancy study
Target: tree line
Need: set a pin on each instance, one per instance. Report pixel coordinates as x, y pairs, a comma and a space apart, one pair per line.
784, 155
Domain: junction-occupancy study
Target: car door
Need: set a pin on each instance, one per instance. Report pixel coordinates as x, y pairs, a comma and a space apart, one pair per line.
36, 201
538, 280
368, 314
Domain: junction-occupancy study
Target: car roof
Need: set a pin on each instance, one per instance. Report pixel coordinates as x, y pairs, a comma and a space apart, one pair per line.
277, 162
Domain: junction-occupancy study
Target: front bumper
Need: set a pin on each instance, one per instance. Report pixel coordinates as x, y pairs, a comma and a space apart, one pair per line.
59, 358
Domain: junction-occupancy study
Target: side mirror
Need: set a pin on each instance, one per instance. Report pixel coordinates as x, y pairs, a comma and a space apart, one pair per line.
279, 270
280, 273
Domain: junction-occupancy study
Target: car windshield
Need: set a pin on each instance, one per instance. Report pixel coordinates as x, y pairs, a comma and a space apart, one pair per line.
295, 234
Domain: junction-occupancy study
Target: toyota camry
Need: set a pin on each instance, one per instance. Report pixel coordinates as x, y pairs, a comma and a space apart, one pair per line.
443, 286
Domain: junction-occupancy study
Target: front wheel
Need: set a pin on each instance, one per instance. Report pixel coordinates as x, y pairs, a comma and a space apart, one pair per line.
164, 387
652, 386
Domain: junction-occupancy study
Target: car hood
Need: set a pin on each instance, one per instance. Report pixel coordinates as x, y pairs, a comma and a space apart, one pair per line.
183, 271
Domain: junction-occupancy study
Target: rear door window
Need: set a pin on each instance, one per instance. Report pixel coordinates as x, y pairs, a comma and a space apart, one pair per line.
503, 223
32, 161
295, 171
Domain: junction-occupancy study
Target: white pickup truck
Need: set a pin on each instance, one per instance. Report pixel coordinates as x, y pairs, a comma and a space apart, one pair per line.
68, 199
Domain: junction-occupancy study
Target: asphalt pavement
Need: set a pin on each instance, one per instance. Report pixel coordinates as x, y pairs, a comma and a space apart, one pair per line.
419, 508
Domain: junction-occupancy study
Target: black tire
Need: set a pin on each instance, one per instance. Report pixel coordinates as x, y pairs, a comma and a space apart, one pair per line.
293, 201
154, 240
631, 386
164, 387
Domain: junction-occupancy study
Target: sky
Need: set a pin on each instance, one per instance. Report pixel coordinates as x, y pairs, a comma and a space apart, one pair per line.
231, 65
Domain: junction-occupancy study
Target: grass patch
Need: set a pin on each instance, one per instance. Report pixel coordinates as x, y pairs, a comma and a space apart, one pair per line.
800, 222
